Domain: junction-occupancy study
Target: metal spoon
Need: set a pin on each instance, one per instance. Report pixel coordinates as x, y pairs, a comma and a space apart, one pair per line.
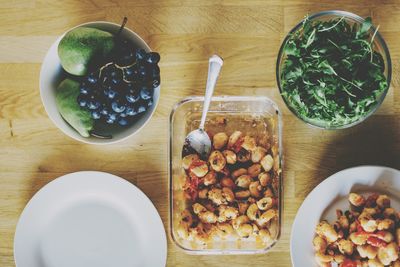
198, 140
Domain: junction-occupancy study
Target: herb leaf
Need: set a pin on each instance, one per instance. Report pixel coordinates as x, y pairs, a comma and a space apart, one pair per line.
331, 75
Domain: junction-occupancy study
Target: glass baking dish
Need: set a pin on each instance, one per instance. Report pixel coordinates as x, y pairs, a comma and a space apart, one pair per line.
254, 116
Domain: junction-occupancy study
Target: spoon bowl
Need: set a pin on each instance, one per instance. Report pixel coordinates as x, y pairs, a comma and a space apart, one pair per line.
198, 140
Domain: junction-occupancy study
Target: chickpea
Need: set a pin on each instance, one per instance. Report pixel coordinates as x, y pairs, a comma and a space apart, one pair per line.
243, 156
198, 208
249, 143
187, 160
257, 154
266, 217
339, 258
319, 244
228, 182
243, 181
220, 140
369, 225
227, 193
253, 213
230, 156
325, 230
242, 194
224, 230
239, 221
208, 217
255, 189
265, 235
356, 200
215, 195
358, 239
383, 201
374, 263
264, 178
254, 170
235, 136
323, 258
244, 230
265, 203
210, 178
243, 207
345, 246
203, 193
227, 213
268, 192
344, 222
267, 162
367, 251
238, 173
388, 254
385, 224
217, 161
199, 168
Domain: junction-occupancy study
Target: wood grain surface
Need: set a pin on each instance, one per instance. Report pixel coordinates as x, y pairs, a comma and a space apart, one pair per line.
247, 34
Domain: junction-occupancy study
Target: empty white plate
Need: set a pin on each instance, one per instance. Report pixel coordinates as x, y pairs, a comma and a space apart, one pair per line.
332, 194
90, 219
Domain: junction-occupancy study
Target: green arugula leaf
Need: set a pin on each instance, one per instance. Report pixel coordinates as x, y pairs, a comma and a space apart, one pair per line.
331, 74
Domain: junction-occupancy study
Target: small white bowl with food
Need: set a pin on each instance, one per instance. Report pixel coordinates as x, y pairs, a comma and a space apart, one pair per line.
100, 82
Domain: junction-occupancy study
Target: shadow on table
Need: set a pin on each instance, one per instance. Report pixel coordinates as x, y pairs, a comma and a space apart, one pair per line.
374, 142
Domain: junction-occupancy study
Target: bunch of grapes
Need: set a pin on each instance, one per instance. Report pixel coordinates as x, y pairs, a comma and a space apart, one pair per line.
120, 91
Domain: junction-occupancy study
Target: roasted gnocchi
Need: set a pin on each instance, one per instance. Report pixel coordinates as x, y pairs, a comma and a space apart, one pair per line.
366, 235
231, 194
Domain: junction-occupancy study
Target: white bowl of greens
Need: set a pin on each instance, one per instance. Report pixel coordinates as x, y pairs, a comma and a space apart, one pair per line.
333, 69
58, 76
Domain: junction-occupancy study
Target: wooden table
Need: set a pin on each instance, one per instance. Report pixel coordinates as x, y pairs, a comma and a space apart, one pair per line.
247, 34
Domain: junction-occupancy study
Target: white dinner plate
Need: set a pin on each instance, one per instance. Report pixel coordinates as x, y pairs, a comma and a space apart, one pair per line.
331, 194
90, 219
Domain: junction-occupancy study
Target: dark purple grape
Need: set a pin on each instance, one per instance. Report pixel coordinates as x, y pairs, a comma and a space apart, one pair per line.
123, 114
84, 89
130, 111
152, 58
140, 54
82, 100
133, 94
155, 71
141, 109
131, 73
123, 121
110, 93
96, 114
111, 118
104, 111
92, 78
142, 72
93, 104
150, 102
118, 106
145, 93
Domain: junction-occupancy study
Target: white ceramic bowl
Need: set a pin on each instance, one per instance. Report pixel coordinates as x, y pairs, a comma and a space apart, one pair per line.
51, 74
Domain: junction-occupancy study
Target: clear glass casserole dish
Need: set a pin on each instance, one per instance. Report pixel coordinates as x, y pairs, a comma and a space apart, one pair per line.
256, 117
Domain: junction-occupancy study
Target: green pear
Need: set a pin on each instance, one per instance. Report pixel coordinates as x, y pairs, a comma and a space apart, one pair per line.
83, 47
66, 100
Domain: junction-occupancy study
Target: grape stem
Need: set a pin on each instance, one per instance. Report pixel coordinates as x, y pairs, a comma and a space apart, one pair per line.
122, 26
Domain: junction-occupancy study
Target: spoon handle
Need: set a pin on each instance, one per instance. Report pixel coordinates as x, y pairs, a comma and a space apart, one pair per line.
214, 67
